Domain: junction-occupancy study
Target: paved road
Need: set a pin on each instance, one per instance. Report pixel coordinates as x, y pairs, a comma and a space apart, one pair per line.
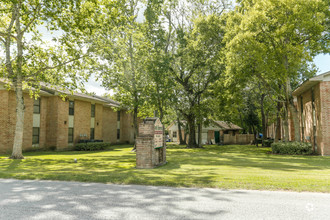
72, 200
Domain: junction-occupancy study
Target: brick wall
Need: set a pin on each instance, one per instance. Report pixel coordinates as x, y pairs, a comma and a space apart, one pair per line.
82, 119
57, 123
4, 147
109, 125
126, 128
62, 124
146, 155
308, 121
8, 122
54, 122
325, 117
98, 121
28, 122
144, 152
307, 112
43, 121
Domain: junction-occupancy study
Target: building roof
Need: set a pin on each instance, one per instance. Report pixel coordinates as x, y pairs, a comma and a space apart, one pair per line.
49, 90
227, 125
311, 82
110, 102
223, 125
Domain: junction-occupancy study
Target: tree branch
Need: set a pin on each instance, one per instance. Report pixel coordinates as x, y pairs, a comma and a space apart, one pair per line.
59, 65
6, 35
36, 10
8, 41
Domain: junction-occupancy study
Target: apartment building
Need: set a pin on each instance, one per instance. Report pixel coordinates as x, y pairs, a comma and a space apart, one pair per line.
54, 122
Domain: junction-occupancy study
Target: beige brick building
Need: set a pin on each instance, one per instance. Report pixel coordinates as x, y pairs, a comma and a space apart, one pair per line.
313, 98
51, 122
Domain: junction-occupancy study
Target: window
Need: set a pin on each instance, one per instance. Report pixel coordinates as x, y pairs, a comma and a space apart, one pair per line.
174, 134
70, 139
93, 111
118, 134
36, 106
92, 134
71, 107
35, 135
118, 116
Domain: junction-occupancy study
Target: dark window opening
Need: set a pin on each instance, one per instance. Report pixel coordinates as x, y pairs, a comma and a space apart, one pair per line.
70, 136
71, 107
92, 137
118, 134
36, 106
174, 134
93, 111
35, 135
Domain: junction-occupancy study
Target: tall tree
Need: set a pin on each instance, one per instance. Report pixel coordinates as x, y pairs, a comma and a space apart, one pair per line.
122, 54
273, 40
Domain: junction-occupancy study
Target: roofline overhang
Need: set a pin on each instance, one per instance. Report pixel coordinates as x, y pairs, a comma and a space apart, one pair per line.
308, 84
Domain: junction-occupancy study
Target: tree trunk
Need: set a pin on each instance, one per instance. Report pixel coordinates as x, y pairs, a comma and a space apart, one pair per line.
182, 142
278, 123
296, 124
286, 124
19, 129
290, 104
185, 137
136, 128
18, 138
263, 119
192, 132
200, 135
293, 113
255, 136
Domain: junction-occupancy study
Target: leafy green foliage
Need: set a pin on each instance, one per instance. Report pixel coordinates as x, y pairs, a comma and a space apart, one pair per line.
293, 148
268, 142
275, 41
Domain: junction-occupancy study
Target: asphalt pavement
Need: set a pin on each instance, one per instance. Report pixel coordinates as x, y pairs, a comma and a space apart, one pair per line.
30, 199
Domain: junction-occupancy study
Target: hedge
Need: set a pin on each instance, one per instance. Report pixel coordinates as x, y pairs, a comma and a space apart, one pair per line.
295, 148
91, 146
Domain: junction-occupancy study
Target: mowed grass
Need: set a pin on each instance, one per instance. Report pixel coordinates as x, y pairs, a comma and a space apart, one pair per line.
229, 167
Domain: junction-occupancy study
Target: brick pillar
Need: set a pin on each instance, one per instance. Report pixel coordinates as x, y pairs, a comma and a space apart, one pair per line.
150, 151
144, 152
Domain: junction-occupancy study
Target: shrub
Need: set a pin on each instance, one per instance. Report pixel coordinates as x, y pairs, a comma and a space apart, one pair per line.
292, 148
91, 146
268, 142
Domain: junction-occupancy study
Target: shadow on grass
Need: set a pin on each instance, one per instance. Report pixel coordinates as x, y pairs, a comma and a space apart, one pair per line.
186, 167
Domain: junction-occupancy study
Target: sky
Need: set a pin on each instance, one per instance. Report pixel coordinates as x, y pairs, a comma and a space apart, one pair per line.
323, 63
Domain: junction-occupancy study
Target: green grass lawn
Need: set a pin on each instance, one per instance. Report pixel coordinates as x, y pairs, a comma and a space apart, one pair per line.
230, 167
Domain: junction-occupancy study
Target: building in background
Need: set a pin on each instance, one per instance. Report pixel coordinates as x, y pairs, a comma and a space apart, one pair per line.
313, 102
51, 122
214, 133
